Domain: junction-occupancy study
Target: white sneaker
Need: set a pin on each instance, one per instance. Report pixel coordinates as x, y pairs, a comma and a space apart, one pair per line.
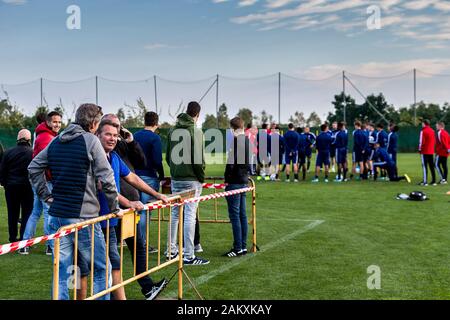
198, 248
295, 180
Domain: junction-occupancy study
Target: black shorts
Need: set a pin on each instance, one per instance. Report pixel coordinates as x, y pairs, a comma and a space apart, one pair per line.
301, 158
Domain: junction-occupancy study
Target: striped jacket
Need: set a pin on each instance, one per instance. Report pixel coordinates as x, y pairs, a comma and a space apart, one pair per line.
78, 165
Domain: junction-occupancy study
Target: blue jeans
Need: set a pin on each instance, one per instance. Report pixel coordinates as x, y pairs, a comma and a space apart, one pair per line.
238, 217
66, 255
145, 198
39, 206
190, 213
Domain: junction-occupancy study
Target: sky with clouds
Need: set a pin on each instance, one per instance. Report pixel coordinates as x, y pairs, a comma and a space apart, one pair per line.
196, 39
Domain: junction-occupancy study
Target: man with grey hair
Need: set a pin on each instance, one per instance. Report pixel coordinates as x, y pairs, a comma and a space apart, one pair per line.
78, 165
13, 176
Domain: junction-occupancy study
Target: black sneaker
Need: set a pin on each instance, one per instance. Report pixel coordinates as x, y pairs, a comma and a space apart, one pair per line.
48, 251
244, 252
232, 253
24, 251
155, 290
173, 255
195, 261
152, 250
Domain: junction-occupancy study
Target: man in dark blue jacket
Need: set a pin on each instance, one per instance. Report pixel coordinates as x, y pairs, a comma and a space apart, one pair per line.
360, 145
323, 145
153, 172
341, 142
291, 140
78, 166
311, 139
392, 143
384, 161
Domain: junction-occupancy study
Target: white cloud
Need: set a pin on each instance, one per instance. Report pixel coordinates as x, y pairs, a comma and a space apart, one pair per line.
442, 5
246, 3
418, 4
157, 46
15, 2
378, 69
388, 4
311, 7
274, 4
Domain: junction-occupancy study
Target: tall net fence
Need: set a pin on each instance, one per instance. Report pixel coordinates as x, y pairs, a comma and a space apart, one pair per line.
114, 95
433, 88
68, 95
256, 94
276, 97
307, 96
173, 96
26, 96
398, 89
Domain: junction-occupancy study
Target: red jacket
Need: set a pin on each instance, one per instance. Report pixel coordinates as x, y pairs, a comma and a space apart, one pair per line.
44, 135
427, 141
443, 143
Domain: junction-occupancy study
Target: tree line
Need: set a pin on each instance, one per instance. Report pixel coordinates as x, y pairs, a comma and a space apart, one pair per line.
375, 108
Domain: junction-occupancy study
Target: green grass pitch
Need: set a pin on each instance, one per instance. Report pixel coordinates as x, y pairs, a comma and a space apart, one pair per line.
316, 241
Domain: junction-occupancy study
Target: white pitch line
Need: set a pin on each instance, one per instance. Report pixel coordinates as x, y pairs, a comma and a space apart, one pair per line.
285, 219
272, 245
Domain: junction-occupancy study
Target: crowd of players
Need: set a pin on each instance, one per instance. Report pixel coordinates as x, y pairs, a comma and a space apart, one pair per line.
374, 152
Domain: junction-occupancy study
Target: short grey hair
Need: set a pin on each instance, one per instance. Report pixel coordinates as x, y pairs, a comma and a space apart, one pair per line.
88, 114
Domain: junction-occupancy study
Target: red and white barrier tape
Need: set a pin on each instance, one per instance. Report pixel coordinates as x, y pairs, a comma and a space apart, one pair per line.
11, 247
198, 199
214, 185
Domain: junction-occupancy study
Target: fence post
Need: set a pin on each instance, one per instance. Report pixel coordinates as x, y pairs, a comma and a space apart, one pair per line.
156, 94
415, 97
279, 97
217, 100
180, 252
344, 101
96, 90
56, 269
42, 92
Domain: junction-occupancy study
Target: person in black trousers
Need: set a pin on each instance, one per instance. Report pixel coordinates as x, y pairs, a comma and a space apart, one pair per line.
14, 177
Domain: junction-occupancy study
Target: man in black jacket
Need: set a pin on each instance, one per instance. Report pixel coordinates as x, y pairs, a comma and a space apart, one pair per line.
236, 177
14, 177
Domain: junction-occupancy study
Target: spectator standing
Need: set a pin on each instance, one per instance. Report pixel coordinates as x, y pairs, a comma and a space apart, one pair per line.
14, 177
78, 166
236, 177
45, 132
185, 156
153, 171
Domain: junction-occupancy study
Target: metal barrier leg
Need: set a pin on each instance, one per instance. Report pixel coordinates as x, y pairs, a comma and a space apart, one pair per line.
56, 269
180, 252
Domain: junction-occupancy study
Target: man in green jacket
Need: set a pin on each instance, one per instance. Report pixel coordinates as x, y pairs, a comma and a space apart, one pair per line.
185, 156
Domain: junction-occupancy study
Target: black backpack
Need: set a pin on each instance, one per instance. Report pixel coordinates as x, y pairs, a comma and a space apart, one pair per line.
417, 196
413, 196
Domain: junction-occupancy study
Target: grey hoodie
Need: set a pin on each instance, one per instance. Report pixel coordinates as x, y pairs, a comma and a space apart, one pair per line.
78, 165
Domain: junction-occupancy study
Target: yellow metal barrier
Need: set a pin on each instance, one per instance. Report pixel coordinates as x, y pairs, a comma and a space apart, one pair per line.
128, 222
216, 219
